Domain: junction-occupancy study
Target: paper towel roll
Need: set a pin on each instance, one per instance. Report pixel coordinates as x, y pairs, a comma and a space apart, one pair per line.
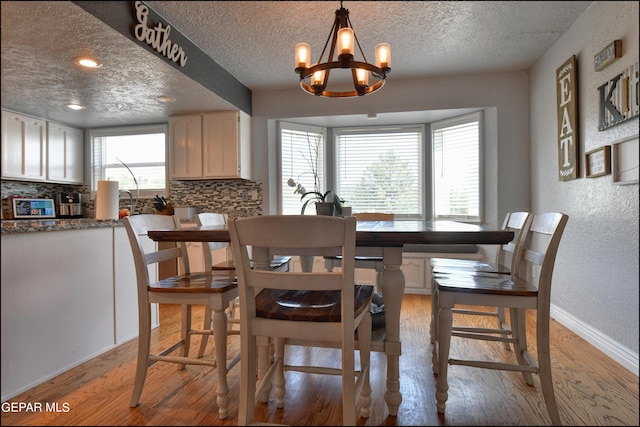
107, 200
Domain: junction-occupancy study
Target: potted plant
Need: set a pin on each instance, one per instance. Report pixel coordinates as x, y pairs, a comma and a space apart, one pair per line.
326, 204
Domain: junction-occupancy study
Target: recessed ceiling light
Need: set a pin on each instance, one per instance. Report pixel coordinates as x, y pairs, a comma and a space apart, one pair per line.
167, 99
75, 107
87, 62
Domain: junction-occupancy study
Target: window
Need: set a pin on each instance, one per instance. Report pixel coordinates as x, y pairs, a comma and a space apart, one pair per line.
456, 168
302, 150
381, 169
396, 169
129, 155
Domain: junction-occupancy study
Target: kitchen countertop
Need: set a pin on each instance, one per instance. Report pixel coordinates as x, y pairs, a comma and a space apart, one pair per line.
12, 226
53, 224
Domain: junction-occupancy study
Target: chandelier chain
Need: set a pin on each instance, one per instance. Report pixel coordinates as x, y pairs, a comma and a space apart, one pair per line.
334, 28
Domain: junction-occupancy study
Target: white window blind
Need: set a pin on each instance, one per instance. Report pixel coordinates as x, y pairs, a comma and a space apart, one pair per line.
381, 170
456, 168
141, 148
302, 151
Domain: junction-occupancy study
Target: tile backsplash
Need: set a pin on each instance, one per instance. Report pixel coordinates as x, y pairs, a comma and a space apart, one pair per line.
233, 197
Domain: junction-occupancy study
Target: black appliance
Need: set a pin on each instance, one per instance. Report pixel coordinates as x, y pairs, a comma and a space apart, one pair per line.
69, 205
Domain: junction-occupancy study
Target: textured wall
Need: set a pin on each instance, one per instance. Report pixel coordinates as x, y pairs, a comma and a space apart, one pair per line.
596, 275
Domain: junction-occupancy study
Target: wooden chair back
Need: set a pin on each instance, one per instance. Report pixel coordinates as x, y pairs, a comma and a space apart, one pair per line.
528, 287
144, 249
311, 308
538, 248
214, 289
212, 219
514, 221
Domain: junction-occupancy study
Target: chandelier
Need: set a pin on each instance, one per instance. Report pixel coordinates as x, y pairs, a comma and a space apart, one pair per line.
314, 79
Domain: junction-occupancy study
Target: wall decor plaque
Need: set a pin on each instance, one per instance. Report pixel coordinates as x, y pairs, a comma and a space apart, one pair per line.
608, 55
598, 162
567, 101
619, 98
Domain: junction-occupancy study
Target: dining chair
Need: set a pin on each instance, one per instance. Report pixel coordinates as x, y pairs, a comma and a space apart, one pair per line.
279, 263
369, 262
528, 287
318, 309
503, 264
212, 289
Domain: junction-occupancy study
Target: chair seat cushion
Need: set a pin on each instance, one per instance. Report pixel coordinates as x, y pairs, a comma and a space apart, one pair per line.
308, 306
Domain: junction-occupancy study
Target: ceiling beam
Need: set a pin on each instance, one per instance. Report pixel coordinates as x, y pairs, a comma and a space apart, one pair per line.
201, 68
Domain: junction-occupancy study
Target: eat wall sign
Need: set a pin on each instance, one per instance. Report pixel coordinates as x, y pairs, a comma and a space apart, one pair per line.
567, 99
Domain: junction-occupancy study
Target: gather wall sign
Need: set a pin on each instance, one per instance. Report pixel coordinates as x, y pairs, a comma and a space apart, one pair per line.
157, 37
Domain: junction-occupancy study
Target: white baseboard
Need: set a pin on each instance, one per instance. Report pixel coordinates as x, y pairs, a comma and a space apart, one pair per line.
621, 354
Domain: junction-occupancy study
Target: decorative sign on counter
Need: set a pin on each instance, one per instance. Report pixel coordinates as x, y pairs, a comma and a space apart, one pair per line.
608, 55
619, 98
567, 94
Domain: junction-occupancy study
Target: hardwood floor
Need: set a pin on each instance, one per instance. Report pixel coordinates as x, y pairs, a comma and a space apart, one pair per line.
591, 389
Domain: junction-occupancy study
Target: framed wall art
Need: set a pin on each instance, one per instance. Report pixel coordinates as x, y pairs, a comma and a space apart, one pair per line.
598, 162
625, 159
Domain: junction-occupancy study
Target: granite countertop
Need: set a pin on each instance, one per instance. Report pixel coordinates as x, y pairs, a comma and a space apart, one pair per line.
32, 225
11, 226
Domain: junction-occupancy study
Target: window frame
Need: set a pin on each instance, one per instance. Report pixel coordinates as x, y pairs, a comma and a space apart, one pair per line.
451, 122
282, 186
426, 157
392, 129
96, 165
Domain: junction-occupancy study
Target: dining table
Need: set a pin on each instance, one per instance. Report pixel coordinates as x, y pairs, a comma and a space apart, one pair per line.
384, 239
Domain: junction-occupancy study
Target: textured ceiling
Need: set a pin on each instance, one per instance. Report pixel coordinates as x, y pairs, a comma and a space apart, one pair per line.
254, 41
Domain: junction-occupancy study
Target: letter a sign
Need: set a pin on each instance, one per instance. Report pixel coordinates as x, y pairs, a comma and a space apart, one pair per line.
567, 93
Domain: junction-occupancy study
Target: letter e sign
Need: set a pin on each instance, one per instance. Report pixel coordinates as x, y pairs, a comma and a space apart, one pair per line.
567, 94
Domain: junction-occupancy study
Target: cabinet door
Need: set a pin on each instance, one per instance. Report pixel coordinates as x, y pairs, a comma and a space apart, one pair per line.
185, 142
65, 154
226, 143
413, 268
220, 153
23, 147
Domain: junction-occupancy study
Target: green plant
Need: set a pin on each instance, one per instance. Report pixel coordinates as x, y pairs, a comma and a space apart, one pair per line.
317, 197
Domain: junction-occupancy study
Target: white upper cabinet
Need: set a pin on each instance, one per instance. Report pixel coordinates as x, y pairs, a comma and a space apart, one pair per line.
65, 154
36, 150
24, 146
214, 145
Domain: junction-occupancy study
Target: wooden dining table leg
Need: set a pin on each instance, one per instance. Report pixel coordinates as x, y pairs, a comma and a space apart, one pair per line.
392, 285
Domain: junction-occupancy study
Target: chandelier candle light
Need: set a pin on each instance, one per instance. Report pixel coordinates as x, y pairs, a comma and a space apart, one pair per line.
314, 79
